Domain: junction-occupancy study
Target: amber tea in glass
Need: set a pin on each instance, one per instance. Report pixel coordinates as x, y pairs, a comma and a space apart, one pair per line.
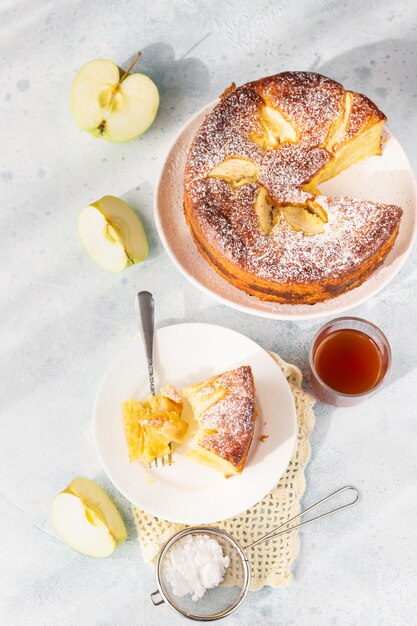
349, 360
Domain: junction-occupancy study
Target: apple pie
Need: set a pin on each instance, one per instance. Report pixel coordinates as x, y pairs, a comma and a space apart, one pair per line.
151, 426
251, 189
225, 409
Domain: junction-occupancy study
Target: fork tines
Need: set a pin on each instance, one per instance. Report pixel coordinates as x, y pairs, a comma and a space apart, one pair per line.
164, 459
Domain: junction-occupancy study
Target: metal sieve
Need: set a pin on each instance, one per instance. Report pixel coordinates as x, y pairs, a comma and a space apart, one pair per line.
224, 599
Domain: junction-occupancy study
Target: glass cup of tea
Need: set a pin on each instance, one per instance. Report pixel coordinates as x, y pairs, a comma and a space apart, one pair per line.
349, 360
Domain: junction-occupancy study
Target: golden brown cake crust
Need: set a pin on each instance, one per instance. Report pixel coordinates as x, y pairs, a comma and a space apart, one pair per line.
230, 421
285, 265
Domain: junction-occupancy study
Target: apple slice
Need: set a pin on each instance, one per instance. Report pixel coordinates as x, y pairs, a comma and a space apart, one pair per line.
86, 519
112, 104
112, 234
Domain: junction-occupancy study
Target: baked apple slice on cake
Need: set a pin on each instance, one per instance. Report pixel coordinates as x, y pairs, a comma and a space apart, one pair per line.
151, 426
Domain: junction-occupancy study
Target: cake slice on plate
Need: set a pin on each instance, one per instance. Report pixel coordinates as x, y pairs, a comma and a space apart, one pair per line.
151, 426
225, 409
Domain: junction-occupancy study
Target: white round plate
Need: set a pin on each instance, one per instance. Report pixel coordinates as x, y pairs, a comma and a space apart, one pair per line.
188, 492
387, 178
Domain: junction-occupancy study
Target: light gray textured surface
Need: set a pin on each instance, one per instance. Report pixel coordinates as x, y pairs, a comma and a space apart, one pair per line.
64, 319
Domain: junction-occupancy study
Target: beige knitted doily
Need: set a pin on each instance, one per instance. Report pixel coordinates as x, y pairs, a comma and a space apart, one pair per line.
271, 562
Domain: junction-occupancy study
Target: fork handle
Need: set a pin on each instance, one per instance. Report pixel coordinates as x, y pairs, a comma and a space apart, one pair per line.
145, 310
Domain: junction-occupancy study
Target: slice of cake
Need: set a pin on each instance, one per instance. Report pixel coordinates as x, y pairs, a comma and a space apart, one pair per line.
225, 409
151, 426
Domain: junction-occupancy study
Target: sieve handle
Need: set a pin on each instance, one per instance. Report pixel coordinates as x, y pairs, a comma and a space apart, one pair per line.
155, 602
280, 530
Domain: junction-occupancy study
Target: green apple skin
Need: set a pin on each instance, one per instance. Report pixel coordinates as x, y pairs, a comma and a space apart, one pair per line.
87, 520
111, 105
112, 234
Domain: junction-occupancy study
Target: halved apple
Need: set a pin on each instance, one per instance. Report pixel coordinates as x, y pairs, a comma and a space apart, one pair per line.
86, 519
112, 104
112, 234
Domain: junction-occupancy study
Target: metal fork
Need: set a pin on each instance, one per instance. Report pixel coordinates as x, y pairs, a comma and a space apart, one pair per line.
145, 309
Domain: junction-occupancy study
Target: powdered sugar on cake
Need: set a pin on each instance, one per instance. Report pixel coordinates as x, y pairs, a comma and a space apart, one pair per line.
232, 417
224, 223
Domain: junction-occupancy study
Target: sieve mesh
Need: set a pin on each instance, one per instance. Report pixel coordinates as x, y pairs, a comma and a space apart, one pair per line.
221, 600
